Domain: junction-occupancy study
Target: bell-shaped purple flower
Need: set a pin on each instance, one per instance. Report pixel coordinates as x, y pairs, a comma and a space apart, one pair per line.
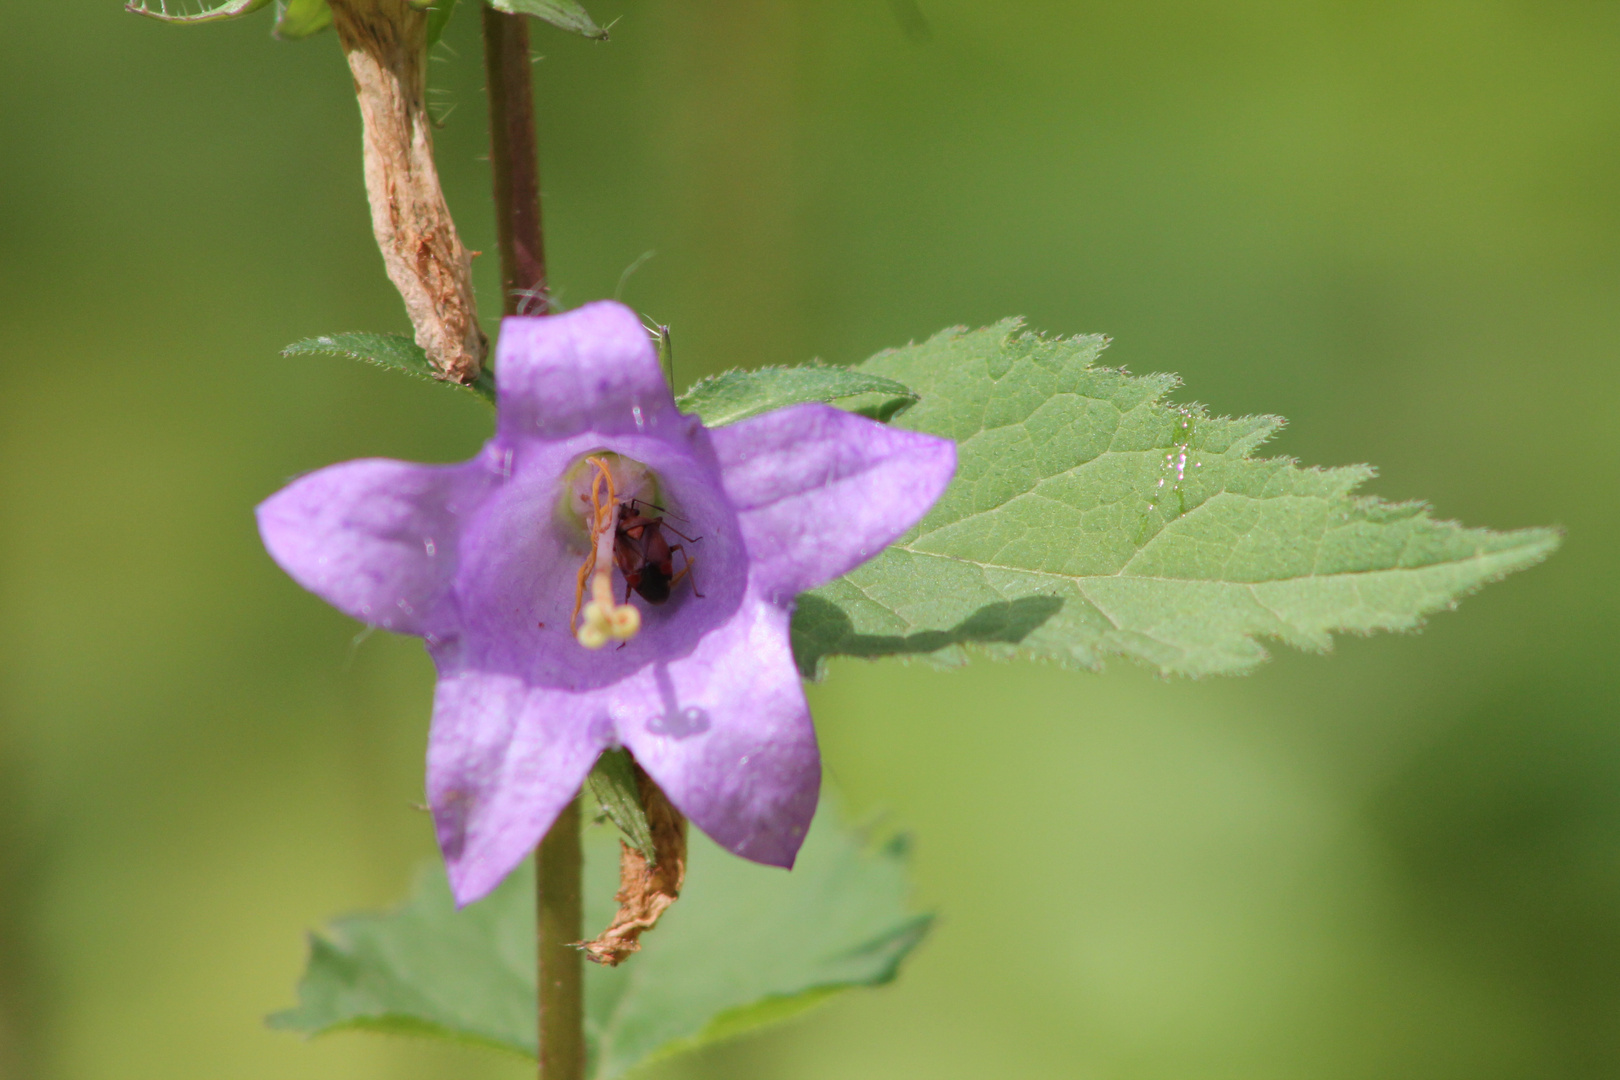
482, 560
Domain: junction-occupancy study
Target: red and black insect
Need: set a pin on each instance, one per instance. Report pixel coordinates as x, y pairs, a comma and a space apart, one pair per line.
645, 556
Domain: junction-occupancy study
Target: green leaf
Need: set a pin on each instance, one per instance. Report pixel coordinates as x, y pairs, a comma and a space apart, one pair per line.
393, 351
737, 395
746, 946
298, 19
613, 784
1090, 519
228, 9
564, 13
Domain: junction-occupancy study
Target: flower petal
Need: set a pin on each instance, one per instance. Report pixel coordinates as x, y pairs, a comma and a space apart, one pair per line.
726, 733
593, 367
819, 491
504, 759
375, 538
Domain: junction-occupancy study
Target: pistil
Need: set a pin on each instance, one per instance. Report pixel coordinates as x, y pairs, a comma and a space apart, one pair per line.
603, 619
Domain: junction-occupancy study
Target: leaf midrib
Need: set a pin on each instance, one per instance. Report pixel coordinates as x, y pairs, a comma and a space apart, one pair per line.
1078, 578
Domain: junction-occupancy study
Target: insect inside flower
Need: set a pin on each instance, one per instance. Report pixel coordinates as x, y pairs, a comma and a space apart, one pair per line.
620, 532
645, 556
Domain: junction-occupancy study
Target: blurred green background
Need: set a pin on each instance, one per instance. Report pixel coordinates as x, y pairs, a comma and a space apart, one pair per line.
1397, 224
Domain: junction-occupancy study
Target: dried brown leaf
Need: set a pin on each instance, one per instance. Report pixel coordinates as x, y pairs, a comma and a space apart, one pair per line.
646, 888
386, 45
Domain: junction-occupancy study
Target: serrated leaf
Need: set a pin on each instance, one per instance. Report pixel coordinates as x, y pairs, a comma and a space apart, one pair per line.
1089, 519
746, 946
567, 14
613, 785
228, 9
737, 395
299, 19
393, 351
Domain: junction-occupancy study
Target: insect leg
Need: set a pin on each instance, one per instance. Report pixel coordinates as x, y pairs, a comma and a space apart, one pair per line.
687, 562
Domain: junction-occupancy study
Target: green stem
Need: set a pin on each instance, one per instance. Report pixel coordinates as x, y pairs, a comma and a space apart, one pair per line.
558, 866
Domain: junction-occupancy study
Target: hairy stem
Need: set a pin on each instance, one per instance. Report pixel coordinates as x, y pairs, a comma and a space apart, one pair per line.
515, 163
558, 866
386, 45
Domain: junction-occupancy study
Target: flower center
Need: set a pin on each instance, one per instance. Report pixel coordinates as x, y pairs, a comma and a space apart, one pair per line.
609, 504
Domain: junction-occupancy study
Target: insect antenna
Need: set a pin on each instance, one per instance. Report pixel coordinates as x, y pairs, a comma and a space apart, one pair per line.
633, 503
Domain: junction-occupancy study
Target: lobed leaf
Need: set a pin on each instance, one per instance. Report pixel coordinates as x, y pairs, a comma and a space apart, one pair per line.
567, 14
746, 946
393, 351
226, 9
737, 395
1090, 519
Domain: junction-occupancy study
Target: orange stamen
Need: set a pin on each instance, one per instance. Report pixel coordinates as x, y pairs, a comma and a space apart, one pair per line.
600, 515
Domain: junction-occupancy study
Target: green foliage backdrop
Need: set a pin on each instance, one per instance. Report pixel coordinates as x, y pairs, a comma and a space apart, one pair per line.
1395, 225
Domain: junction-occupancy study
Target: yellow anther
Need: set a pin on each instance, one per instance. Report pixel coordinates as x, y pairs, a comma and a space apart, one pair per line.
592, 635
605, 620
623, 622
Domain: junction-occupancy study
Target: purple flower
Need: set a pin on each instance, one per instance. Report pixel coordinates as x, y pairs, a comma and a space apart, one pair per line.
487, 561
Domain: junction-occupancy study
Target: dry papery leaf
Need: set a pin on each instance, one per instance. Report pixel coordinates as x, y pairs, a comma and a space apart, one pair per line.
386, 45
646, 888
